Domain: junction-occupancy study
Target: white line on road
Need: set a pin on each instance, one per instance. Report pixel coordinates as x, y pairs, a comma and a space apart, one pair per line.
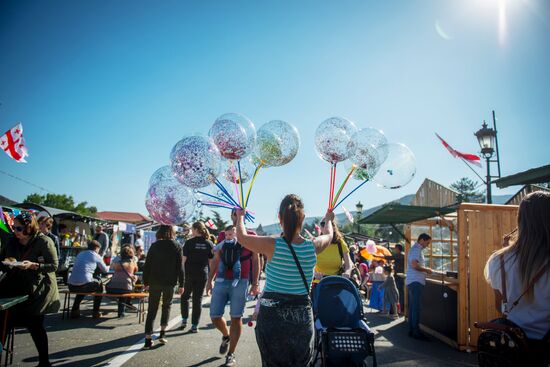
129, 353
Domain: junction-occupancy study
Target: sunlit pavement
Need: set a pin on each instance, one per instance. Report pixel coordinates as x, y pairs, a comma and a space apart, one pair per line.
110, 341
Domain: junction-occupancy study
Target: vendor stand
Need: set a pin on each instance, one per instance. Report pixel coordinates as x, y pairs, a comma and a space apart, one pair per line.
463, 238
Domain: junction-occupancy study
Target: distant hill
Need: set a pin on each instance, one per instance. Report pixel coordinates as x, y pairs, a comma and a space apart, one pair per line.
273, 229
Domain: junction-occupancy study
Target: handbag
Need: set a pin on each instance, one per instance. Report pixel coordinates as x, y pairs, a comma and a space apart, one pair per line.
502, 342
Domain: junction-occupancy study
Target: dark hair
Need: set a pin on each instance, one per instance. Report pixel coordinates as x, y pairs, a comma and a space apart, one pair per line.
127, 253
28, 220
532, 243
62, 226
93, 245
388, 268
291, 214
424, 237
201, 228
48, 221
399, 247
165, 232
228, 228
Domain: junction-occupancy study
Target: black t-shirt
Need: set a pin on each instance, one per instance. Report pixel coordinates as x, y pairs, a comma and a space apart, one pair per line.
198, 251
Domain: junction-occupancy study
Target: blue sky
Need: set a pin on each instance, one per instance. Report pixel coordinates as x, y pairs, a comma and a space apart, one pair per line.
105, 89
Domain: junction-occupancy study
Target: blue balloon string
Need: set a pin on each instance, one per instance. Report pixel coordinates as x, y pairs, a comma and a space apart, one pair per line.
352, 191
216, 197
226, 194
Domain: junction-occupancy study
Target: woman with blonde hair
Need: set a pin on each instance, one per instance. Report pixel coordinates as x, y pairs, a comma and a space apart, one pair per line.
197, 251
525, 262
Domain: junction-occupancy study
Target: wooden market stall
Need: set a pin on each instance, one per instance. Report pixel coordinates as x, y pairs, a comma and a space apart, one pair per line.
463, 237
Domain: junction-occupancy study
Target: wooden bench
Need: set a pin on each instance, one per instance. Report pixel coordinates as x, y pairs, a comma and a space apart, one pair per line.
139, 296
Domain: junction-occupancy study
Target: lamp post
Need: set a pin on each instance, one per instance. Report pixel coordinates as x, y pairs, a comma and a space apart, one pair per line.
359, 208
487, 138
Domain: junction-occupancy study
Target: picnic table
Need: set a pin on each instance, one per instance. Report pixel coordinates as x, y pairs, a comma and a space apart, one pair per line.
8, 333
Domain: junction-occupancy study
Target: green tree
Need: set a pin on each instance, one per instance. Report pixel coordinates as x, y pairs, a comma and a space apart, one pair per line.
218, 221
61, 201
468, 190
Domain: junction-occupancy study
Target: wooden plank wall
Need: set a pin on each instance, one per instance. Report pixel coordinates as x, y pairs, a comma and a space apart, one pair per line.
433, 194
481, 228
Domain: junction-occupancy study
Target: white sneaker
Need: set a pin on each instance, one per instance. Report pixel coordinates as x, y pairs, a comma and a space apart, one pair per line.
162, 338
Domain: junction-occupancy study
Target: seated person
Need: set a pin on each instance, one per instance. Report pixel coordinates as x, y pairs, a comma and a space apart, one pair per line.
141, 258
231, 255
123, 278
82, 277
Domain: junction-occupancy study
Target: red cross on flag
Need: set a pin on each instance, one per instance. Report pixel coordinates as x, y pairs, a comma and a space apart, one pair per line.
13, 144
210, 224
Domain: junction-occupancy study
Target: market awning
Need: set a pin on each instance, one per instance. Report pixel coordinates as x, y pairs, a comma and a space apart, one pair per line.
398, 214
54, 212
532, 176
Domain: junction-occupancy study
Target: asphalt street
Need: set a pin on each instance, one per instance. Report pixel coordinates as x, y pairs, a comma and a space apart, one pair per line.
114, 342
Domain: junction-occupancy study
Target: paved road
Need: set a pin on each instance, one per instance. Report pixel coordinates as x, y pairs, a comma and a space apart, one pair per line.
116, 342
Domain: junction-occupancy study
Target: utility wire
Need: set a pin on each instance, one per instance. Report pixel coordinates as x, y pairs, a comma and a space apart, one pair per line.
27, 182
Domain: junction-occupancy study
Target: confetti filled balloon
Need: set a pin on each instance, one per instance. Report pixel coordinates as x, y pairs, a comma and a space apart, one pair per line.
170, 202
234, 135
277, 144
230, 170
195, 161
164, 173
367, 143
362, 174
332, 138
399, 167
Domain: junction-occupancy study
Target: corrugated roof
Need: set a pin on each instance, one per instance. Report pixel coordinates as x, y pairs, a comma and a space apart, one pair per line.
127, 217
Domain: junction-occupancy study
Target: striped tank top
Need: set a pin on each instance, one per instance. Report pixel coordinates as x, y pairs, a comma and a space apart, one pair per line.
282, 273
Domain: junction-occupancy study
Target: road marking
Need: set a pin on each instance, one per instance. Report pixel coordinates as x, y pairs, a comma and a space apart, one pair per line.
129, 353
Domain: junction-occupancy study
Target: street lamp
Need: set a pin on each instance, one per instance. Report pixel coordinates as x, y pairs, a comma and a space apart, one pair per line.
359, 208
487, 138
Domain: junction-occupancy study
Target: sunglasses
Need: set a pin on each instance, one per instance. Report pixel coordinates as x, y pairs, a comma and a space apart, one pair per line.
18, 228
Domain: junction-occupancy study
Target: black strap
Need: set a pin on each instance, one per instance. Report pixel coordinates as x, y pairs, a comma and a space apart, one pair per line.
297, 265
340, 250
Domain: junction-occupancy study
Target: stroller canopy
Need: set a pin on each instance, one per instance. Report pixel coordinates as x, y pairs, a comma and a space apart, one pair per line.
336, 303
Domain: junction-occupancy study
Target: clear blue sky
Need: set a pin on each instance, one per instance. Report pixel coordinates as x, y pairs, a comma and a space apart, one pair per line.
105, 89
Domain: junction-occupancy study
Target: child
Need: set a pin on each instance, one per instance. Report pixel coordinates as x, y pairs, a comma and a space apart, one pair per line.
231, 254
391, 294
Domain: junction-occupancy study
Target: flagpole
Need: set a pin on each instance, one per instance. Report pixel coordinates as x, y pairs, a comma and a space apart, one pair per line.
473, 170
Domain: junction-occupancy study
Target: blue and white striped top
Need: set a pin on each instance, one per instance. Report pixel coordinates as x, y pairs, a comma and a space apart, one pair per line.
282, 273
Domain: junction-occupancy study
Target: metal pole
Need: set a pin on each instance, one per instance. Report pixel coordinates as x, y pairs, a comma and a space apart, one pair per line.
496, 141
489, 198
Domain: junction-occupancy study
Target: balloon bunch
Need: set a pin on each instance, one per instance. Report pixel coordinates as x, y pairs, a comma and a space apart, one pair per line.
234, 150
371, 157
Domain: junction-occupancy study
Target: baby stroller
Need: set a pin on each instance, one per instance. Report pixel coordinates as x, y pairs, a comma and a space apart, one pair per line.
342, 337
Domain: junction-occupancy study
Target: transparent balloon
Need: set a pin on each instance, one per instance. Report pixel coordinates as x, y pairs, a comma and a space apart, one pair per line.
332, 138
398, 169
367, 143
230, 170
234, 135
362, 174
277, 144
170, 203
164, 173
195, 161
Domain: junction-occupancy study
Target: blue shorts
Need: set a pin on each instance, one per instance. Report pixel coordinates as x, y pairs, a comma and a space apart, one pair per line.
223, 293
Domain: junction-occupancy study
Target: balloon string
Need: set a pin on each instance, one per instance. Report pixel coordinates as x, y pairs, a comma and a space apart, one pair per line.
218, 204
352, 191
241, 183
343, 185
225, 192
252, 183
234, 179
330, 187
248, 216
215, 197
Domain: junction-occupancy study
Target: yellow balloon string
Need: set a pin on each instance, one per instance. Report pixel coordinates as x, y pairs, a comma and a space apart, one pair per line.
252, 183
343, 184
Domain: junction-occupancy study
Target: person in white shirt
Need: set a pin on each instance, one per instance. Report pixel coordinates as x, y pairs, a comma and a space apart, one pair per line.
526, 265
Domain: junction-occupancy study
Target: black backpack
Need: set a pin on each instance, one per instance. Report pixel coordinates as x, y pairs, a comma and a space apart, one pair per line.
502, 343
231, 253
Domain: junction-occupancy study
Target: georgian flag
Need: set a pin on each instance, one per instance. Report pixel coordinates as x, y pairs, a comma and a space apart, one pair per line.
470, 158
210, 224
13, 144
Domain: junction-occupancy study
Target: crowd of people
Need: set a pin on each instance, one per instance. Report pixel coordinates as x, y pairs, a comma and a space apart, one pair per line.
228, 268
